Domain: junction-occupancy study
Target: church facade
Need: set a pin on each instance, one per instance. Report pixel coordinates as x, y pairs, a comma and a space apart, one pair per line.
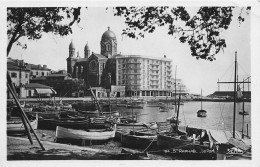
140, 75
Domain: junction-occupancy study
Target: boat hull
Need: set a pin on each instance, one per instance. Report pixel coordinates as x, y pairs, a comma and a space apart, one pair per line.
51, 124
13, 127
165, 141
201, 113
140, 142
84, 135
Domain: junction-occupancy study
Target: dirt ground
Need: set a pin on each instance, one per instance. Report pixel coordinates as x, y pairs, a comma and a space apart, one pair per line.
19, 148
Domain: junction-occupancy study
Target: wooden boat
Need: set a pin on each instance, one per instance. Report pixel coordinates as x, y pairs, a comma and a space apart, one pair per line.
164, 109
17, 125
243, 113
95, 113
136, 104
126, 119
112, 113
140, 142
173, 141
51, 124
66, 134
153, 103
201, 113
173, 119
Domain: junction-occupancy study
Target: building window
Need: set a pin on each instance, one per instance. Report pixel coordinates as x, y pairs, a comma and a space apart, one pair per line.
14, 75
108, 47
42, 73
26, 75
37, 73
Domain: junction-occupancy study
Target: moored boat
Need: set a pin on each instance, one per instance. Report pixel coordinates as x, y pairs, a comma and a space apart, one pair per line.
66, 134
201, 113
74, 123
243, 113
17, 125
139, 141
164, 109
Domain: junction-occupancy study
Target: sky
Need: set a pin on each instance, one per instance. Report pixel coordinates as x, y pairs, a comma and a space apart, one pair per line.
196, 74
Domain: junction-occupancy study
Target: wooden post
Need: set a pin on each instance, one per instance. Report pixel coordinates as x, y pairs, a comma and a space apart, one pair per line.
247, 130
23, 115
235, 91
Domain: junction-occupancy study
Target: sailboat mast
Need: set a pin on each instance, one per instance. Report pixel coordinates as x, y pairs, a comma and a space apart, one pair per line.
201, 99
243, 113
175, 89
235, 91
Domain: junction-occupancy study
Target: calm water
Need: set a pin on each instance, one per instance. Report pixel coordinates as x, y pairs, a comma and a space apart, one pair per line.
219, 115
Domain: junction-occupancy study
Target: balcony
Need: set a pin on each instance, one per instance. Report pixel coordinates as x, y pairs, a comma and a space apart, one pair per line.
154, 79
154, 63
154, 69
154, 84
131, 62
154, 74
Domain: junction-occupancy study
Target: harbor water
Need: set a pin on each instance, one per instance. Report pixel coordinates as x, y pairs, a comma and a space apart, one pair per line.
219, 115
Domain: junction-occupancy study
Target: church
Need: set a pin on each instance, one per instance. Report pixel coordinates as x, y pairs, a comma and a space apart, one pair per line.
98, 70
138, 75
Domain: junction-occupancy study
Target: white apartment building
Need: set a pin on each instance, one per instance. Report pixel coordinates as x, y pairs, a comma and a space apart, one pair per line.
144, 76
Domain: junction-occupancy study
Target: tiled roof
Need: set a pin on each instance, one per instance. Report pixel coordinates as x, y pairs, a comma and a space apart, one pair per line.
100, 56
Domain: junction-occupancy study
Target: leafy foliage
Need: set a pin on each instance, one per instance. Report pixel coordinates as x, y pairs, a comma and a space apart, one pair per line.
201, 31
78, 85
33, 22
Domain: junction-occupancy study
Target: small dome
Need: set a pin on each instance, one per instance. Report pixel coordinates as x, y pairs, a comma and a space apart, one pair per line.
108, 35
87, 47
72, 46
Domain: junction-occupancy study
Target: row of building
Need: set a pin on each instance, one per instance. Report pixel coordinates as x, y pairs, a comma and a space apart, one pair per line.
107, 73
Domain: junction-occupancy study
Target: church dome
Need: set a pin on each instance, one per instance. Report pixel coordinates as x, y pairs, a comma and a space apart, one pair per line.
108, 35
72, 46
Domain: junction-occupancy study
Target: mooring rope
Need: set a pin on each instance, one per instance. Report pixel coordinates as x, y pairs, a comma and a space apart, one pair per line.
149, 144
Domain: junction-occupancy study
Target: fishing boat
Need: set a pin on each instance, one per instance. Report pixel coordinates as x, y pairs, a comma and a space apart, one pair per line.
16, 125
243, 113
201, 112
164, 109
94, 113
73, 123
83, 136
112, 113
136, 104
154, 103
139, 141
